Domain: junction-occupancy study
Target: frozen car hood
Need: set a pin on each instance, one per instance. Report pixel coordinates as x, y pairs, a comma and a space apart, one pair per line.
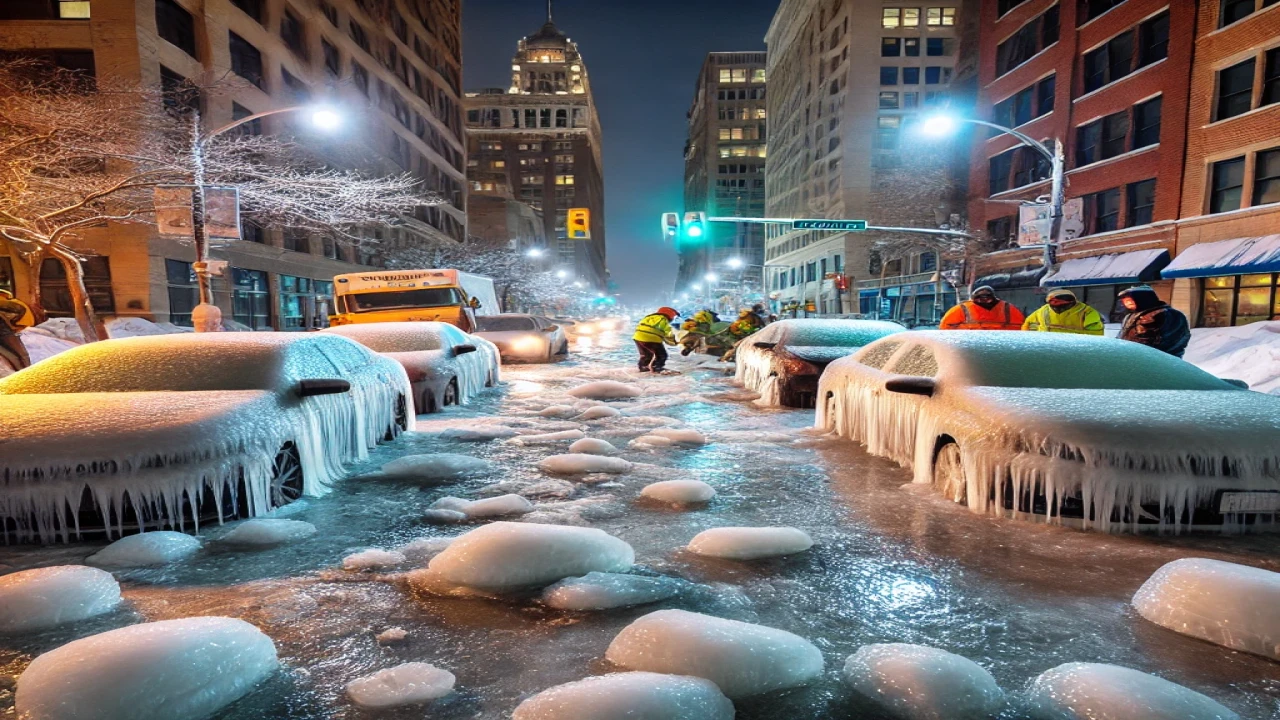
819, 353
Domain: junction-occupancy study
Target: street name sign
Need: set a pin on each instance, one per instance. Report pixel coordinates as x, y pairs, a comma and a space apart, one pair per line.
841, 225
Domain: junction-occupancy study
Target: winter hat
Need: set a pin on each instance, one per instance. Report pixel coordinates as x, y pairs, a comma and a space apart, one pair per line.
982, 289
1061, 293
1144, 295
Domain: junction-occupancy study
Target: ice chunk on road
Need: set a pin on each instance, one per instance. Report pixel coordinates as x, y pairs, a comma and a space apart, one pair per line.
679, 492
442, 516
373, 559
750, 543
557, 411
263, 532
580, 464
629, 696
598, 413
605, 390
1097, 691
602, 591
558, 489
1233, 605
158, 547
549, 438
450, 502
407, 684
592, 446
391, 636
498, 506
507, 556
441, 466
49, 596
916, 682
167, 670
681, 436
742, 658
427, 547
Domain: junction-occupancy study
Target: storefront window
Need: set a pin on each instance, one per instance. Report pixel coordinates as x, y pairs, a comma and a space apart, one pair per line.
57, 296
184, 294
294, 298
1254, 301
6, 274
251, 298
1239, 300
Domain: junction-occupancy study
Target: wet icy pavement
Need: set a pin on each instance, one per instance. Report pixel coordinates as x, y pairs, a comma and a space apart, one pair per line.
890, 565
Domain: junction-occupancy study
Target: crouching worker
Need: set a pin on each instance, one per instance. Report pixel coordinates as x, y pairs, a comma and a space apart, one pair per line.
653, 334
696, 328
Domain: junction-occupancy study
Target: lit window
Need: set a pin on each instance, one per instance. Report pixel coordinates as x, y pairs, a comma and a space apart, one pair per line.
892, 18
757, 75
760, 113
740, 75
499, 163
725, 134
564, 179
910, 17
73, 10
936, 16
726, 75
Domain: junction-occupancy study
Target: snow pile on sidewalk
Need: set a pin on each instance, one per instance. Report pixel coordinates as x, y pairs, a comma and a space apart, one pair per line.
407, 684
629, 696
1237, 606
50, 596
187, 668
916, 682
602, 591
1250, 353
750, 543
741, 658
1087, 691
158, 547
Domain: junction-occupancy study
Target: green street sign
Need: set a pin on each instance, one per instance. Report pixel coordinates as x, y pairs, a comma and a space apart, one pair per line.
841, 225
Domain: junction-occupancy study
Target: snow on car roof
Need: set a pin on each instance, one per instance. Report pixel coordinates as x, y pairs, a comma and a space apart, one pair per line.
827, 333
402, 336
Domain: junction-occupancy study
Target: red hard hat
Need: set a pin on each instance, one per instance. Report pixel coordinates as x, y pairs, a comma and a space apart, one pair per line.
669, 312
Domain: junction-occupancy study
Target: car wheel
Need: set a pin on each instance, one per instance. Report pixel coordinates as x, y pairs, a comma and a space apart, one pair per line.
286, 477
402, 418
948, 473
451, 393
488, 379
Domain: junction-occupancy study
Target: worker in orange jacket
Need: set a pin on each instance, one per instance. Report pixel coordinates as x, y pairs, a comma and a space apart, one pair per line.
983, 311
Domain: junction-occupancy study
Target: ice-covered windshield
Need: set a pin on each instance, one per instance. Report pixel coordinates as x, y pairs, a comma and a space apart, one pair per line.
837, 333
423, 298
501, 323
395, 338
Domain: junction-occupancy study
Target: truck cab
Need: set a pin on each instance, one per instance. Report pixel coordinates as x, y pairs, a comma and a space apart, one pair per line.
407, 296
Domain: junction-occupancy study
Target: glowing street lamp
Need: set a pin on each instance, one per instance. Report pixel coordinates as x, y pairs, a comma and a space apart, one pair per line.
562, 274
534, 252
696, 287
711, 278
735, 263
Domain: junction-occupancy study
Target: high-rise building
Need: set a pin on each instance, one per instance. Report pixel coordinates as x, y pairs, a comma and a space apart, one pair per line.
724, 171
845, 79
544, 135
395, 62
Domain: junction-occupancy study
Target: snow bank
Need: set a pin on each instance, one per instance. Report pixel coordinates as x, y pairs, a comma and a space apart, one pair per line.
497, 507
373, 559
265, 532
750, 543
598, 413
916, 682
549, 438
602, 591
1096, 691
742, 658
507, 556
49, 596
605, 390
158, 547
1250, 353
592, 446
407, 684
580, 464
679, 492
629, 696
167, 670
440, 466
1228, 604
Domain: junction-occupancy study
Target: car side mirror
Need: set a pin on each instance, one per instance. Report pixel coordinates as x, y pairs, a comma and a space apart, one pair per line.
322, 386
464, 349
764, 345
1238, 383
551, 328
911, 385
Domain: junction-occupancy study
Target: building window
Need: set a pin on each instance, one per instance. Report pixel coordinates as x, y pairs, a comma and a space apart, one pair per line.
360, 78
246, 60
250, 298
175, 24
251, 231
1039, 33
296, 240
330, 12
891, 47
1004, 6
252, 127
1029, 166
1271, 78
1153, 40
1146, 123
1102, 139
910, 100
184, 293
1108, 63
1239, 300
911, 47
940, 17
564, 179
888, 76
295, 297
939, 47
1090, 9
296, 87
891, 18
910, 17
1102, 211
332, 59
1045, 90
1228, 185
1235, 90
1266, 177
1001, 230
1232, 10
999, 168
56, 295
910, 76
887, 132
1025, 105
888, 101
292, 34
177, 93
252, 8
1141, 202
73, 9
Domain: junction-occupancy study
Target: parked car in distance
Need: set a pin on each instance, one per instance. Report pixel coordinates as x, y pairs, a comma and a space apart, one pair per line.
783, 360
171, 430
446, 366
524, 338
1094, 432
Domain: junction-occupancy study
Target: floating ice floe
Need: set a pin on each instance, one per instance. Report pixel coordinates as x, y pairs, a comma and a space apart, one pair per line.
741, 658
679, 492
391, 636
598, 413
602, 591
581, 464
505, 556
263, 532
49, 596
373, 559
168, 670
592, 446
548, 438
750, 543
629, 696
440, 466
605, 390
1097, 691
915, 682
407, 684
1237, 606
158, 547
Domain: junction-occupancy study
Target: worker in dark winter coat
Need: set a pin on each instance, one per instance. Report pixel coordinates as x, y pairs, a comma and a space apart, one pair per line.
1152, 322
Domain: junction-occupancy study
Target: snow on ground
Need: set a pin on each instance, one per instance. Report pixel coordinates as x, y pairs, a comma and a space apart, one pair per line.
1237, 606
679, 492
158, 547
266, 532
549, 438
600, 412
373, 559
49, 596
167, 670
916, 682
592, 446
441, 516
629, 696
750, 543
741, 658
1250, 353
605, 390
391, 636
424, 548
440, 466
479, 434
408, 684
1096, 691
602, 591
581, 464
500, 506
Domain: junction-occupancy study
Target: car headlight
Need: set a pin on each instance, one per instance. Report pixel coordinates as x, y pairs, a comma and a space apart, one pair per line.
527, 343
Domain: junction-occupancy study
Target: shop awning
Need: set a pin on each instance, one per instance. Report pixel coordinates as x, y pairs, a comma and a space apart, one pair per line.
1130, 267
1022, 278
1242, 256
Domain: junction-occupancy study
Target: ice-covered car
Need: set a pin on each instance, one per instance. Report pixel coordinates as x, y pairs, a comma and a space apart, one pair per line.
1094, 432
166, 431
446, 366
783, 361
524, 337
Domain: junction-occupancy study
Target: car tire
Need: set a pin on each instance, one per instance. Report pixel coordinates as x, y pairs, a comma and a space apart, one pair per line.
450, 393
488, 380
401, 419
286, 477
948, 472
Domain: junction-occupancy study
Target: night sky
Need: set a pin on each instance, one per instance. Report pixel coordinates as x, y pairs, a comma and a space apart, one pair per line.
643, 58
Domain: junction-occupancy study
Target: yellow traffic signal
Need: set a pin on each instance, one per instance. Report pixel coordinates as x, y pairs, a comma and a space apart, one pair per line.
579, 224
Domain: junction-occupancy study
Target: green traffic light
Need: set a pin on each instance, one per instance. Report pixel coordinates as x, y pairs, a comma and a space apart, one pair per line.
694, 231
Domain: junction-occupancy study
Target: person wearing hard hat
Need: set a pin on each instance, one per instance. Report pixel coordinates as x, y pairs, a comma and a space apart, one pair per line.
14, 316
983, 311
1063, 313
653, 333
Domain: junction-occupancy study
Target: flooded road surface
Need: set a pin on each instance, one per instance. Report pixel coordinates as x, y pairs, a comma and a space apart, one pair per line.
889, 565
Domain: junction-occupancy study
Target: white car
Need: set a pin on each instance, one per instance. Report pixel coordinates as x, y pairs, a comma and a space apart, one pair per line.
1100, 433
446, 366
524, 337
166, 431
784, 360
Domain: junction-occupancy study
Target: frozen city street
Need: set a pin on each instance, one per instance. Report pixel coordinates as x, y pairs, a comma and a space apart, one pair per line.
887, 565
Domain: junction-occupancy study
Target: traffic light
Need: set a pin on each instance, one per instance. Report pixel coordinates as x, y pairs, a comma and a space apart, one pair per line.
579, 224
670, 226
695, 226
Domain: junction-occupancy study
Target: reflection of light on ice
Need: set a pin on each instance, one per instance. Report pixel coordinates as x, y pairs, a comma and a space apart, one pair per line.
900, 593
585, 343
525, 387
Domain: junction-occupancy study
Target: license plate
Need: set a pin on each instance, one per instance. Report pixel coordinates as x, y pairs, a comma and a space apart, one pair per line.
1249, 502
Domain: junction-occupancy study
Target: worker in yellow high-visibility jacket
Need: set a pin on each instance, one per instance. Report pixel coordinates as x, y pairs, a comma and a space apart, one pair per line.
1063, 313
653, 333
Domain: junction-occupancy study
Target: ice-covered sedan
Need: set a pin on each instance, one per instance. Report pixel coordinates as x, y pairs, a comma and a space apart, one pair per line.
164, 431
783, 361
1095, 432
526, 338
446, 366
